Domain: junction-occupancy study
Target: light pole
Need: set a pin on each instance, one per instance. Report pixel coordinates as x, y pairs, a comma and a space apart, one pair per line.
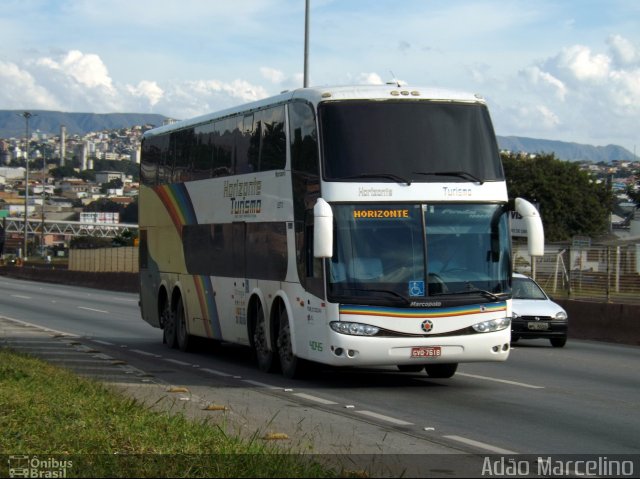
27, 116
305, 83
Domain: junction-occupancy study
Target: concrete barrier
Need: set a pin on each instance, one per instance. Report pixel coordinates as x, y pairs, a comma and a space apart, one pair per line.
612, 322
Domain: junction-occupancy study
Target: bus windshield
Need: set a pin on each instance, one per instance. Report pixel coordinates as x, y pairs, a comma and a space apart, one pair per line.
404, 253
408, 141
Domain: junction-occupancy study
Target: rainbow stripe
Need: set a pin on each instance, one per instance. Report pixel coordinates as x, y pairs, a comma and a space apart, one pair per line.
207, 300
177, 201
421, 313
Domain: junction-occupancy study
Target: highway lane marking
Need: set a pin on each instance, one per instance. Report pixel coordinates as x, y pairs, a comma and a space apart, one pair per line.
309, 397
480, 445
48, 330
175, 361
94, 310
217, 373
382, 417
259, 384
144, 353
20, 296
504, 381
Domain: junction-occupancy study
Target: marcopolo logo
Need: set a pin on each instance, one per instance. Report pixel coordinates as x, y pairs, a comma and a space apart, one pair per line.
35, 466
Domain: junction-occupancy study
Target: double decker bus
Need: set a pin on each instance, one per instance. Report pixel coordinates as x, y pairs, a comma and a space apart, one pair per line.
348, 226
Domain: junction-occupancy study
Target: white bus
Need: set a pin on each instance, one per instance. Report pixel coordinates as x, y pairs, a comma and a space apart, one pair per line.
348, 226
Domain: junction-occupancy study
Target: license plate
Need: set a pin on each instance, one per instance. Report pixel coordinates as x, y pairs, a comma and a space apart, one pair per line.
426, 352
538, 326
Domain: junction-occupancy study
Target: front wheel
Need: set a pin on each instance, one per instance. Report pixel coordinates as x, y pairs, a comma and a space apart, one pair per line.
558, 342
410, 368
441, 371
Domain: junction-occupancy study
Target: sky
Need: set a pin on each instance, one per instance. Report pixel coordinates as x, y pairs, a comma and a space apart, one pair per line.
564, 70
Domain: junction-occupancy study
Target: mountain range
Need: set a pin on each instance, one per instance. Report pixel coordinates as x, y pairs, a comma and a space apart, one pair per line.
12, 125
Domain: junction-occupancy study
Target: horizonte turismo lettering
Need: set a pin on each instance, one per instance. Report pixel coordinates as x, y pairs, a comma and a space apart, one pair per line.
233, 189
381, 214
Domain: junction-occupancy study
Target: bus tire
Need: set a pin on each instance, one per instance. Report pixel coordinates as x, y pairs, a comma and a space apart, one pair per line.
168, 321
290, 364
183, 338
441, 371
264, 355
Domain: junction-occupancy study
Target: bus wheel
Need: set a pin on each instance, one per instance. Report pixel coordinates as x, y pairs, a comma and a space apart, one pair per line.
168, 321
183, 338
442, 371
410, 368
264, 355
291, 366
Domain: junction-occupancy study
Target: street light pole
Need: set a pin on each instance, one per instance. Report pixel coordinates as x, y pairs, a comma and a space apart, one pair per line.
27, 116
306, 45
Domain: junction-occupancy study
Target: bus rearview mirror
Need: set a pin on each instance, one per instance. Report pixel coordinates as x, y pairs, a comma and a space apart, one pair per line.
322, 230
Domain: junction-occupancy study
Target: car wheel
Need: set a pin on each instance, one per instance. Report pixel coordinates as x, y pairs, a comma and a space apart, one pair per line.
168, 321
558, 342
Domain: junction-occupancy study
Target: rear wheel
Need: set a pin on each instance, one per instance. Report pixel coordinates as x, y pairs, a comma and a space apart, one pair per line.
264, 355
442, 371
168, 321
558, 342
183, 338
291, 365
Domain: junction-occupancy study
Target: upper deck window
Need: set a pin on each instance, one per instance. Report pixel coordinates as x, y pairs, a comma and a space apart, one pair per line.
416, 141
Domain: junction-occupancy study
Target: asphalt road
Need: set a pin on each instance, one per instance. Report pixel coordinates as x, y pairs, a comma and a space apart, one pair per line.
581, 399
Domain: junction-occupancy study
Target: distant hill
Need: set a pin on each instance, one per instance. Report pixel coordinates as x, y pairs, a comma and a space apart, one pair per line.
49, 122
565, 150
13, 125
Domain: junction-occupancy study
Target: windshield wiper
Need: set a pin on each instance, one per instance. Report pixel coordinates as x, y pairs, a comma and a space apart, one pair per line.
472, 289
386, 291
389, 176
461, 174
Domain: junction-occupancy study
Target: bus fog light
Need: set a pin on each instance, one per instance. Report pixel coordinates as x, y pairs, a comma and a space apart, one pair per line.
354, 329
492, 325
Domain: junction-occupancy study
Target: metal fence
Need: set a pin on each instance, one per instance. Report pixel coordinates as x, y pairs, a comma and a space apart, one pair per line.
600, 273
121, 259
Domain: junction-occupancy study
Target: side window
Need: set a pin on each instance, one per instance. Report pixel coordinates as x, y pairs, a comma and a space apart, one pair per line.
305, 177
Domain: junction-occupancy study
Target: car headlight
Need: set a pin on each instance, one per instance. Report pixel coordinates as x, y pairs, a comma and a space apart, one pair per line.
354, 329
492, 325
561, 315
514, 315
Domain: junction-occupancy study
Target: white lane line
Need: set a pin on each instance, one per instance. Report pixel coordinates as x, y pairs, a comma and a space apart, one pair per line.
175, 361
105, 343
20, 296
314, 398
217, 373
259, 384
480, 445
48, 330
382, 417
144, 353
513, 383
94, 310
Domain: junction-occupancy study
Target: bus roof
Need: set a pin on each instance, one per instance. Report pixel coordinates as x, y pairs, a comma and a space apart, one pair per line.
317, 95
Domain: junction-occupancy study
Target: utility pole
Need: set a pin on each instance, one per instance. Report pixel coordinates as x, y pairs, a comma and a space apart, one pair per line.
306, 44
27, 116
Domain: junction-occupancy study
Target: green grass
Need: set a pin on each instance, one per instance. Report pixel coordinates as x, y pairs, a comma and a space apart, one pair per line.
51, 412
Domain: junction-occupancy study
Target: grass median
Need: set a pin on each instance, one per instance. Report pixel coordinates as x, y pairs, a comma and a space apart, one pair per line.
81, 428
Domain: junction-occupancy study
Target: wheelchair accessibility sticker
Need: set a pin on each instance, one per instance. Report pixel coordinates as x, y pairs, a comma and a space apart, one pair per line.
416, 288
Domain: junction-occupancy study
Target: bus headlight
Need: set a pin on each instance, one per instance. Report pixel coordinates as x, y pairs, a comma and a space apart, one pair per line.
354, 329
492, 325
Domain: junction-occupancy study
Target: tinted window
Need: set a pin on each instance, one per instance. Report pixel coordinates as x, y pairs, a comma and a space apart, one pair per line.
408, 139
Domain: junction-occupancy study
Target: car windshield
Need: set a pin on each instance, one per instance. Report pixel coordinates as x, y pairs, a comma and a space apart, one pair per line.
526, 288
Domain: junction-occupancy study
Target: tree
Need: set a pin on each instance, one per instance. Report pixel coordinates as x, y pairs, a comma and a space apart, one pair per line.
571, 201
